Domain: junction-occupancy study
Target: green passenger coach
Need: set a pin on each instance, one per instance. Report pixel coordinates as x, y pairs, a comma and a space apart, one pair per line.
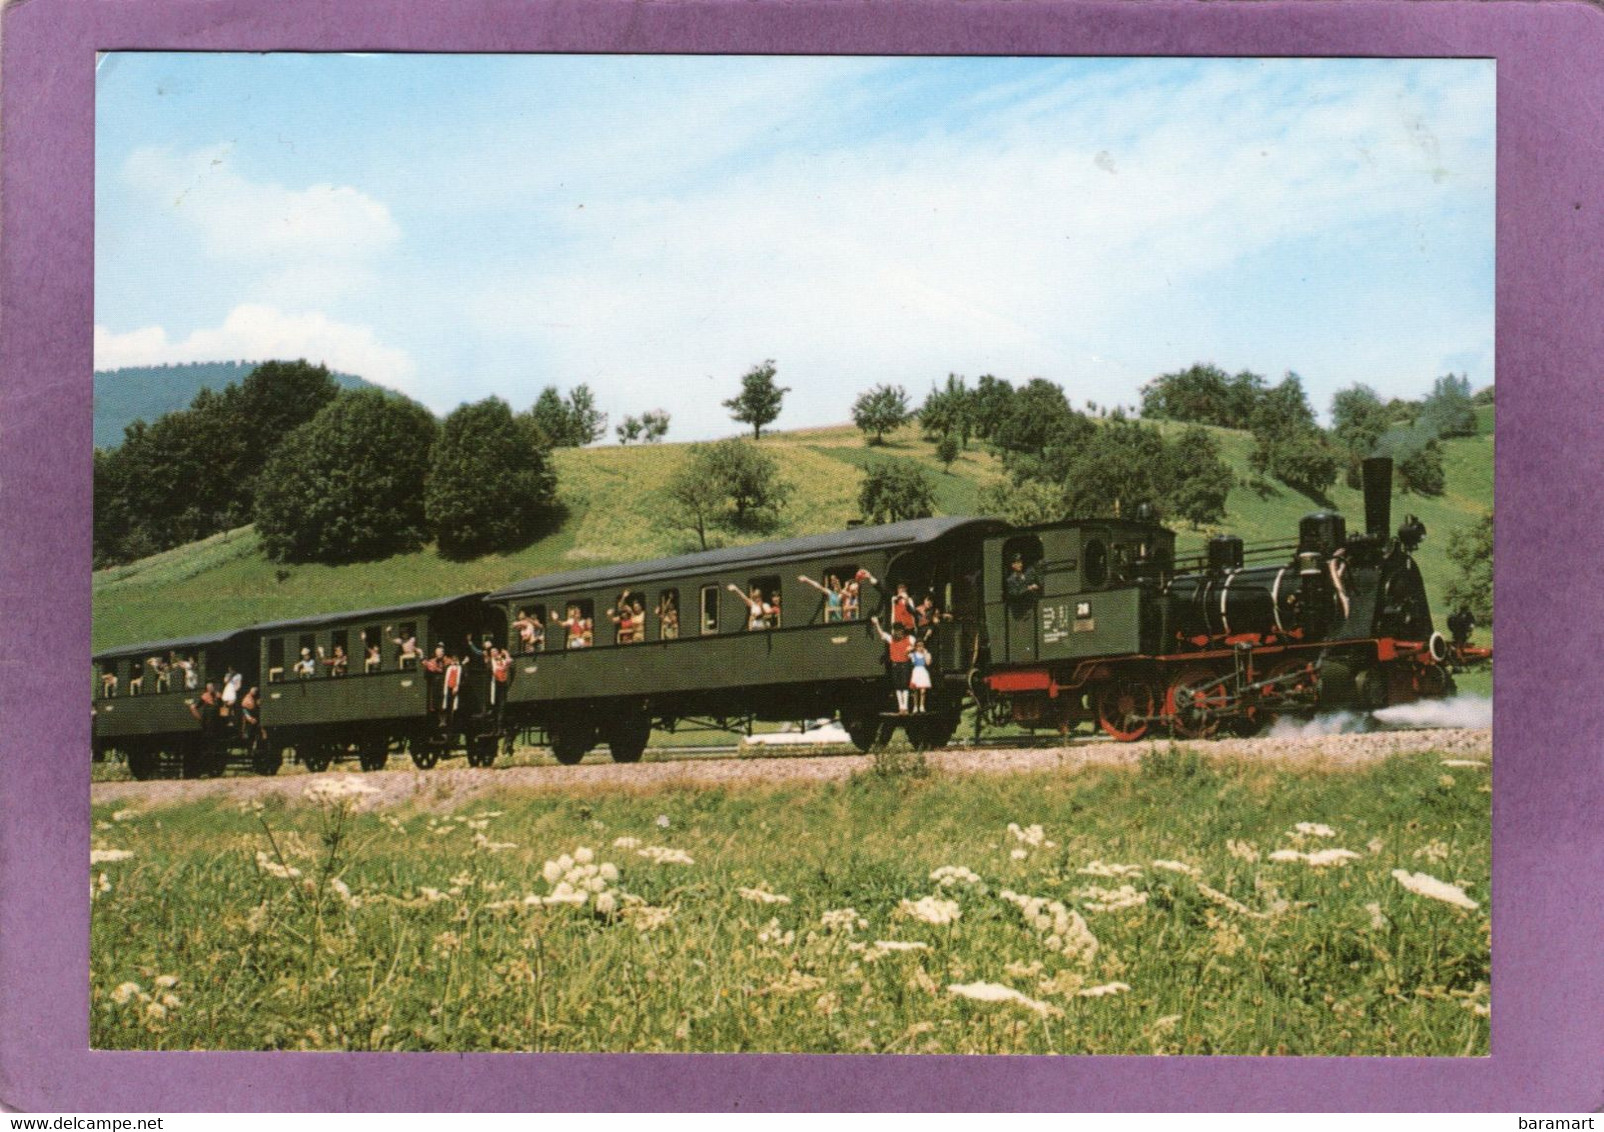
623, 648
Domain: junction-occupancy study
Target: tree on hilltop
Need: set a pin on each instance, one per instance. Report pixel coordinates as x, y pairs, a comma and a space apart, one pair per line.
758, 402
881, 410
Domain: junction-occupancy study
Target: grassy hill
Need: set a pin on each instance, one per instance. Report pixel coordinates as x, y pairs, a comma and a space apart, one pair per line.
611, 498
144, 393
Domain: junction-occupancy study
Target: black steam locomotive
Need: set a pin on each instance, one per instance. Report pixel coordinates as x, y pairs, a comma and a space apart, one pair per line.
1131, 640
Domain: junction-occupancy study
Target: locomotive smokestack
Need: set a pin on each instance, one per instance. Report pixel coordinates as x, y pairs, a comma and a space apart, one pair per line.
1378, 495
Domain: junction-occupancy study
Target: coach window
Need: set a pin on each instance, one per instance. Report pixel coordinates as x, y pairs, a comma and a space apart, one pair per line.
108, 679
767, 588
845, 582
306, 661
629, 615
372, 649
710, 609
406, 642
275, 659
340, 653
579, 623
668, 615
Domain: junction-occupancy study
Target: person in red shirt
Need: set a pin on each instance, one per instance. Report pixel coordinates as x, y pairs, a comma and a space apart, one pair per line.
899, 647
902, 610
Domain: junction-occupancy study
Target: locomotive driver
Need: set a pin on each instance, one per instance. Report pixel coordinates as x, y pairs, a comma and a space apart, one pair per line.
1018, 585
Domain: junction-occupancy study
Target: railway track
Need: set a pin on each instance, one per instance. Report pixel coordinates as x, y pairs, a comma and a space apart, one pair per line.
453, 783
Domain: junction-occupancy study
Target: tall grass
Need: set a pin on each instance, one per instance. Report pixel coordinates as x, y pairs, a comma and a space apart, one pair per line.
809, 919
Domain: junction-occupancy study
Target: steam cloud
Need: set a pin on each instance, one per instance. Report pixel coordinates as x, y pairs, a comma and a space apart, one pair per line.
1460, 711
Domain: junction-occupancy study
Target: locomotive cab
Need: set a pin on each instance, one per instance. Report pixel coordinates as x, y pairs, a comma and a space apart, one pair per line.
1076, 589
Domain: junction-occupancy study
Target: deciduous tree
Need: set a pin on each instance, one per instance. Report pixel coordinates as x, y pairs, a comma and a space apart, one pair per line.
348, 485
758, 403
490, 481
894, 490
881, 410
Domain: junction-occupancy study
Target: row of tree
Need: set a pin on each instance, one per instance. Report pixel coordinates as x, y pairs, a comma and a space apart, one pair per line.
1289, 444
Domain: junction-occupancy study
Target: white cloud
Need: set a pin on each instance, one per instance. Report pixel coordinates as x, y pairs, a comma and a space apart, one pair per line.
254, 332
323, 232
1067, 251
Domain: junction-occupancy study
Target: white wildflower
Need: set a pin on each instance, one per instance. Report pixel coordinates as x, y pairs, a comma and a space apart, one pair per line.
1105, 988
1064, 929
763, 896
1110, 872
551, 872
273, 869
608, 872
1228, 902
124, 992
155, 1011
1445, 762
1020, 970
583, 856
646, 917
1241, 850
343, 891
484, 843
626, 843
1178, 867
1320, 859
566, 893
662, 855
1378, 921
1433, 850
1096, 899
773, 934
996, 992
331, 791
1422, 885
890, 945
431, 895
955, 876
1032, 835
662, 821
1375, 845
1018, 854
107, 856
606, 903
125, 815
842, 920
1311, 829
931, 910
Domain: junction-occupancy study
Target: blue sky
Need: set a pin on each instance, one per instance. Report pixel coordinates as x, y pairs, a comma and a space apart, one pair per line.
457, 226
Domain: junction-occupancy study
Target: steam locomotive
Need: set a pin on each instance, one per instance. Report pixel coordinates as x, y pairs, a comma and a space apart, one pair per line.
1086, 622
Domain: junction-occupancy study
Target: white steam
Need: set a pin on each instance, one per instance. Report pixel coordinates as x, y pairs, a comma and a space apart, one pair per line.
1460, 711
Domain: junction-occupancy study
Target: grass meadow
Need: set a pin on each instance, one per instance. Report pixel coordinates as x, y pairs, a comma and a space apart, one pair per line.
1191, 905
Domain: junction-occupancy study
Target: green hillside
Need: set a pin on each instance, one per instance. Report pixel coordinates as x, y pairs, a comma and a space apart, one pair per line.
143, 393
612, 506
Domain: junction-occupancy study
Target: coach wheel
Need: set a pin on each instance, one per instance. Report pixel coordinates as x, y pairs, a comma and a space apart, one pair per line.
1196, 701
571, 742
862, 729
940, 728
214, 761
191, 761
425, 752
317, 757
482, 750
373, 753
627, 738
1123, 707
266, 759
143, 763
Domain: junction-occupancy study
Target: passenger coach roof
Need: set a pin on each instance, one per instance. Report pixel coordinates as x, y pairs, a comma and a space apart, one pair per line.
852, 540
388, 611
176, 644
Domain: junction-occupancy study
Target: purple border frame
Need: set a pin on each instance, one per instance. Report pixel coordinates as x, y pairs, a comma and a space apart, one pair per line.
1548, 987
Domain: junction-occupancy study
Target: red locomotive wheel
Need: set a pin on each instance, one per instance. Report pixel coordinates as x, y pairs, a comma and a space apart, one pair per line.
1196, 702
1123, 707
